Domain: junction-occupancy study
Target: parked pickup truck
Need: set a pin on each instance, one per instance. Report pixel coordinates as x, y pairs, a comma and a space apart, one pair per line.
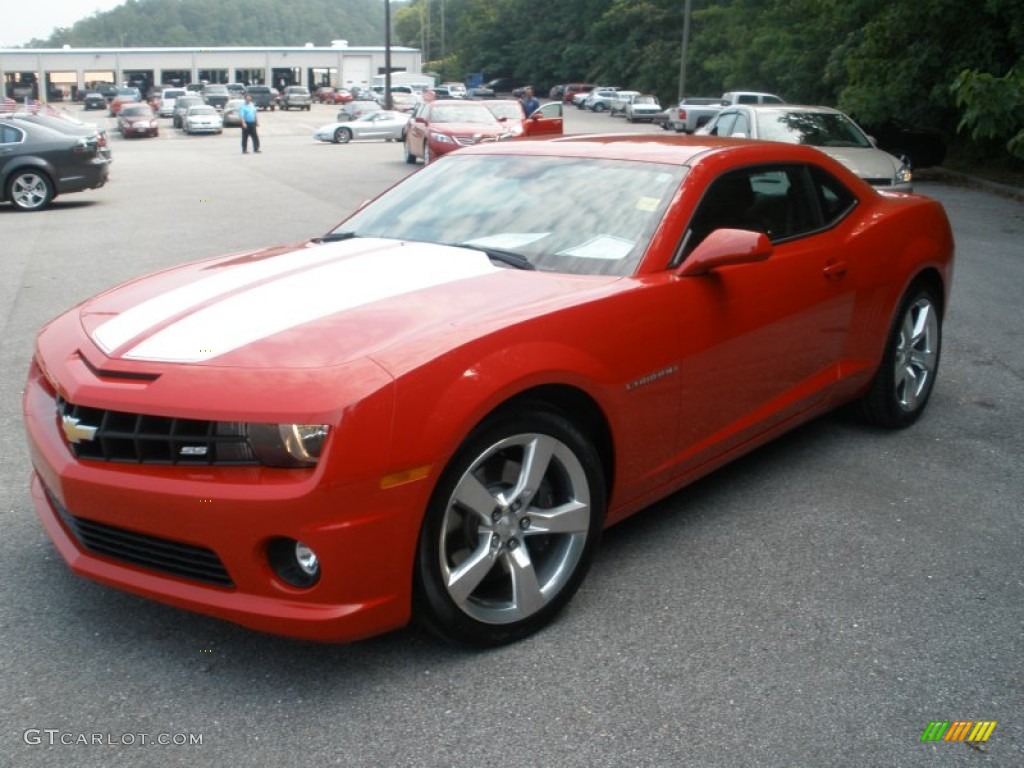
691, 113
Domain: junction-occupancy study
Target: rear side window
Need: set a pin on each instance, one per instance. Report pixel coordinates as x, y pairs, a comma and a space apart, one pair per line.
10, 135
833, 197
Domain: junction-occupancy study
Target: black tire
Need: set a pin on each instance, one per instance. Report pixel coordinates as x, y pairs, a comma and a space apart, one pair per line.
410, 158
905, 378
30, 190
496, 560
342, 135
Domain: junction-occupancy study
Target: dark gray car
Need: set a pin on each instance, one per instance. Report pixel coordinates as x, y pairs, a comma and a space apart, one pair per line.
37, 163
216, 95
263, 96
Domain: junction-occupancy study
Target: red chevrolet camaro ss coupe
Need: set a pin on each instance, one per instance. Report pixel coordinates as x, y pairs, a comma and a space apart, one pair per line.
433, 410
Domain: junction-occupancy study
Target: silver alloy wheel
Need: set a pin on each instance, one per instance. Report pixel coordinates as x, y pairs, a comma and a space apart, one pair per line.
30, 191
916, 354
515, 528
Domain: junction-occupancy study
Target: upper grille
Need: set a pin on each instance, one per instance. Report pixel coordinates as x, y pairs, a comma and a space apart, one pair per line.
173, 557
141, 439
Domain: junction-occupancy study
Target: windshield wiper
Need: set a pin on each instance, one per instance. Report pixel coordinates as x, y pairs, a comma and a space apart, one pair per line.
511, 258
334, 237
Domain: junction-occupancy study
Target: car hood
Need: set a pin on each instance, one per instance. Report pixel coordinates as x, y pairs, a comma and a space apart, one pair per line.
319, 305
866, 163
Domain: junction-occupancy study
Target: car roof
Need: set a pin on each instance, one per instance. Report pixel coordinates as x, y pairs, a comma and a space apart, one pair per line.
785, 108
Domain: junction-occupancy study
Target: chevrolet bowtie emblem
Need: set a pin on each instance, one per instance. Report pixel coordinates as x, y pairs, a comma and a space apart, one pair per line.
75, 431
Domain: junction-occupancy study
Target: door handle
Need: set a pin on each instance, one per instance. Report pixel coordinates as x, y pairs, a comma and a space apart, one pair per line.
835, 268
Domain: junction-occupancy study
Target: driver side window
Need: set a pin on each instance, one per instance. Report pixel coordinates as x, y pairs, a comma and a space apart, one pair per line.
784, 202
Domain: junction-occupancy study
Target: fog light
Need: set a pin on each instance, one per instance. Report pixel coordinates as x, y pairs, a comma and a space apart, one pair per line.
306, 558
294, 562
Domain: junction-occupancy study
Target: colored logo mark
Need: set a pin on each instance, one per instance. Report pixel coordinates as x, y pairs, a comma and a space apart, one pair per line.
959, 730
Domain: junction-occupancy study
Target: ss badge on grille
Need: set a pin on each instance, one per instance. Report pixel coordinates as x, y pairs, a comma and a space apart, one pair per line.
75, 431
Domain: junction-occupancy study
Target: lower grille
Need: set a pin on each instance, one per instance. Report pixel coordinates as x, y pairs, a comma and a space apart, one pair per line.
163, 555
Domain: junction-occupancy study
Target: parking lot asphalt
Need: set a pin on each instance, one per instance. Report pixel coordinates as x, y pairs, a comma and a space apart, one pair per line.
817, 603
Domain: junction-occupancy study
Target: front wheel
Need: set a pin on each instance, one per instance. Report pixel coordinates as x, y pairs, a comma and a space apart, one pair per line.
510, 529
29, 190
904, 381
342, 135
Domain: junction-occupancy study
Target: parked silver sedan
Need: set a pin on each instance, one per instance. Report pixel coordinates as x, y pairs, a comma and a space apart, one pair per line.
385, 124
829, 130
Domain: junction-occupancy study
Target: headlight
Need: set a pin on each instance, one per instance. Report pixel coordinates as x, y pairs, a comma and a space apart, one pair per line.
441, 138
904, 175
288, 445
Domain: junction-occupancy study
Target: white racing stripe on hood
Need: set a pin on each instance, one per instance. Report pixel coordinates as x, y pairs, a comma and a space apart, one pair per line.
152, 312
292, 300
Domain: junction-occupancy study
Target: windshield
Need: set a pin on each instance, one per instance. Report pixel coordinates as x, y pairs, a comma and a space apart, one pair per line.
574, 215
449, 113
817, 129
509, 109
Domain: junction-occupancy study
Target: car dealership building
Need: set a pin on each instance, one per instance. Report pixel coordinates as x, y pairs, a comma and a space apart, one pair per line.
66, 72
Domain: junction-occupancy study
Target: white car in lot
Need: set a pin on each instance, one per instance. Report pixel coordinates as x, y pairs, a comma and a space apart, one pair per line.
828, 129
203, 119
598, 99
384, 124
168, 96
642, 108
617, 103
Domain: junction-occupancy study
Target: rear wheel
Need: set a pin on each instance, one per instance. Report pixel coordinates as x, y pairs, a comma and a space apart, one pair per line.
904, 381
30, 190
510, 530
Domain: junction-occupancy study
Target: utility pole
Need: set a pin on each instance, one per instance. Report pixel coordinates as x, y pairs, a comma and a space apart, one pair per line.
684, 50
387, 54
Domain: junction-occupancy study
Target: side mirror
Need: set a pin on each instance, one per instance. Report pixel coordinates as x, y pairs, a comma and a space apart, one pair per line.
725, 248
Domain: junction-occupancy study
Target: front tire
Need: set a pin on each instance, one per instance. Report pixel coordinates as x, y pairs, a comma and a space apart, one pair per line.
30, 190
510, 530
905, 379
342, 135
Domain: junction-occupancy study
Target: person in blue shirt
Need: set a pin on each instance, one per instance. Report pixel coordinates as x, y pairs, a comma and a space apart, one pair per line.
530, 103
250, 121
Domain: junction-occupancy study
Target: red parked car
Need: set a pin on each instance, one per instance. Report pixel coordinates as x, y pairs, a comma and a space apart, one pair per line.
137, 120
442, 126
119, 101
326, 95
433, 410
546, 121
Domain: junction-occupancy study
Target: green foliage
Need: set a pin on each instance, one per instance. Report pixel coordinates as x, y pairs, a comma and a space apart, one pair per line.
175, 23
992, 107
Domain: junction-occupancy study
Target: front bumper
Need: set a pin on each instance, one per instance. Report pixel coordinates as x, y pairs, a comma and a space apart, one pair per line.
363, 536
